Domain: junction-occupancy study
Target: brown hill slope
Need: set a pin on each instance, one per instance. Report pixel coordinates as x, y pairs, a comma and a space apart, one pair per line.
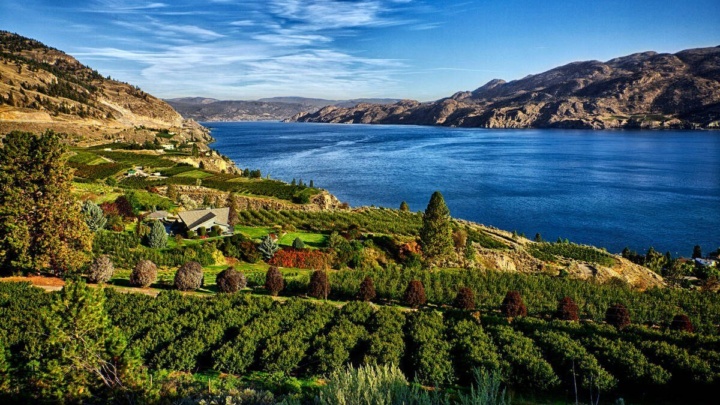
44, 88
644, 90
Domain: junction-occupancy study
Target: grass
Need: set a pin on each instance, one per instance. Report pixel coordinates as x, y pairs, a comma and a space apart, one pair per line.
253, 232
194, 174
312, 240
97, 192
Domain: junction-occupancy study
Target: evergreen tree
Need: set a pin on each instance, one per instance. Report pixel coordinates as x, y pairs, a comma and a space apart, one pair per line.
40, 223
82, 352
538, 237
404, 206
232, 203
268, 247
172, 192
157, 239
298, 244
697, 252
436, 232
312, 184
94, 216
293, 182
195, 152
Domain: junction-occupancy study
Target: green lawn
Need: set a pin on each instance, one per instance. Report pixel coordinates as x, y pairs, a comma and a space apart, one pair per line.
252, 232
194, 174
312, 240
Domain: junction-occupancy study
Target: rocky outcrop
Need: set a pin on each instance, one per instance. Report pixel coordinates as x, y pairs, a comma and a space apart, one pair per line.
43, 88
198, 194
644, 90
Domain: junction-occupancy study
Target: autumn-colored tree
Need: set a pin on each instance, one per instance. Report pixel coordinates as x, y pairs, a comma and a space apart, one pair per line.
513, 305
567, 310
366, 292
682, 323
274, 281
415, 294
618, 316
465, 299
41, 227
124, 207
436, 232
319, 286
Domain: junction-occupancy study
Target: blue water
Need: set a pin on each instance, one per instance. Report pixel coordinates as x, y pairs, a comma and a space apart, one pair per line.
607, 188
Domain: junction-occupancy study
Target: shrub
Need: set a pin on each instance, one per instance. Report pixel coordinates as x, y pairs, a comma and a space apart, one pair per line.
682, 323
415, 294
274, 281
189, 277
303, 259
513, 305
618, 316
366, 292
101, 270
465, 299
567, 310
298, 244
144, 274
319, 286
202, 231
248, 252
230, 280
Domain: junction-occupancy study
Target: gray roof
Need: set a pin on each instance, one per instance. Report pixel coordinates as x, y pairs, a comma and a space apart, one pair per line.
194, 218
157, 215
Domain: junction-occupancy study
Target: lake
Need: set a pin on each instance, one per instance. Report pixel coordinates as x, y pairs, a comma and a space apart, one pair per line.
606, 188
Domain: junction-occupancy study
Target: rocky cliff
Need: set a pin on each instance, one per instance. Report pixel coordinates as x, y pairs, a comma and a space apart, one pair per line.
644, 90
44, 88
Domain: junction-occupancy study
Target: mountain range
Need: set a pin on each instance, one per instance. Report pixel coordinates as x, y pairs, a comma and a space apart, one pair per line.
264, 109
44, 88
643, 90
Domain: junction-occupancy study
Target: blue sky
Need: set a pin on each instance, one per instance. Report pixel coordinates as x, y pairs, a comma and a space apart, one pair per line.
420, 49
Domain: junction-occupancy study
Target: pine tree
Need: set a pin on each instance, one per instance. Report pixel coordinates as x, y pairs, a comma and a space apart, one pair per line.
697, 252
268, 247
94, 216
312, 184
195, 152
404, 206
157, 239
172, 192
298, 244
436, 232
40, 223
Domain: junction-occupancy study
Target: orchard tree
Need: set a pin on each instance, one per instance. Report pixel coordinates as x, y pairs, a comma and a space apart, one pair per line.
94, 216
436, 232
41, 227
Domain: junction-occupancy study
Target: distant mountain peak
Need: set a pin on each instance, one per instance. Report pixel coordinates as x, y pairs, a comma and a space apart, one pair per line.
642, 90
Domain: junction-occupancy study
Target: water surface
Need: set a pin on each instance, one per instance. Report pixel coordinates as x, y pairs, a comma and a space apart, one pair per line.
607, 188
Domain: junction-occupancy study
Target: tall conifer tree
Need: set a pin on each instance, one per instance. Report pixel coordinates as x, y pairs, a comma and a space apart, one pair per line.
436, 232
41, 227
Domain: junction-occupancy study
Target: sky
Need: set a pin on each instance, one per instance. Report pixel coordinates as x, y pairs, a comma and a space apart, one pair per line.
343, 49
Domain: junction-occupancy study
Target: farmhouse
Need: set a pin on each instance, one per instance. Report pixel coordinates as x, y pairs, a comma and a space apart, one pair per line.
194, 219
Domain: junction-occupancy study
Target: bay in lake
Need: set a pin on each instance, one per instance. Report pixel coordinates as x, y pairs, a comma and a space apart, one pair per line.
606, 188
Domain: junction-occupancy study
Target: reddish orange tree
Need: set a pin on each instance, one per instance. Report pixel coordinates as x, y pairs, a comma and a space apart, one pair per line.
465, 299
513, 305
274, 281
567, 310
366, 292
415, 294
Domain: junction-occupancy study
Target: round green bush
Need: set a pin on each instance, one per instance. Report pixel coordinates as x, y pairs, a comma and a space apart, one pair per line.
144, 274
189, 277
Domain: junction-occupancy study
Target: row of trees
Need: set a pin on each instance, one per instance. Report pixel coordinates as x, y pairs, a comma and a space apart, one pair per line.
238, 333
